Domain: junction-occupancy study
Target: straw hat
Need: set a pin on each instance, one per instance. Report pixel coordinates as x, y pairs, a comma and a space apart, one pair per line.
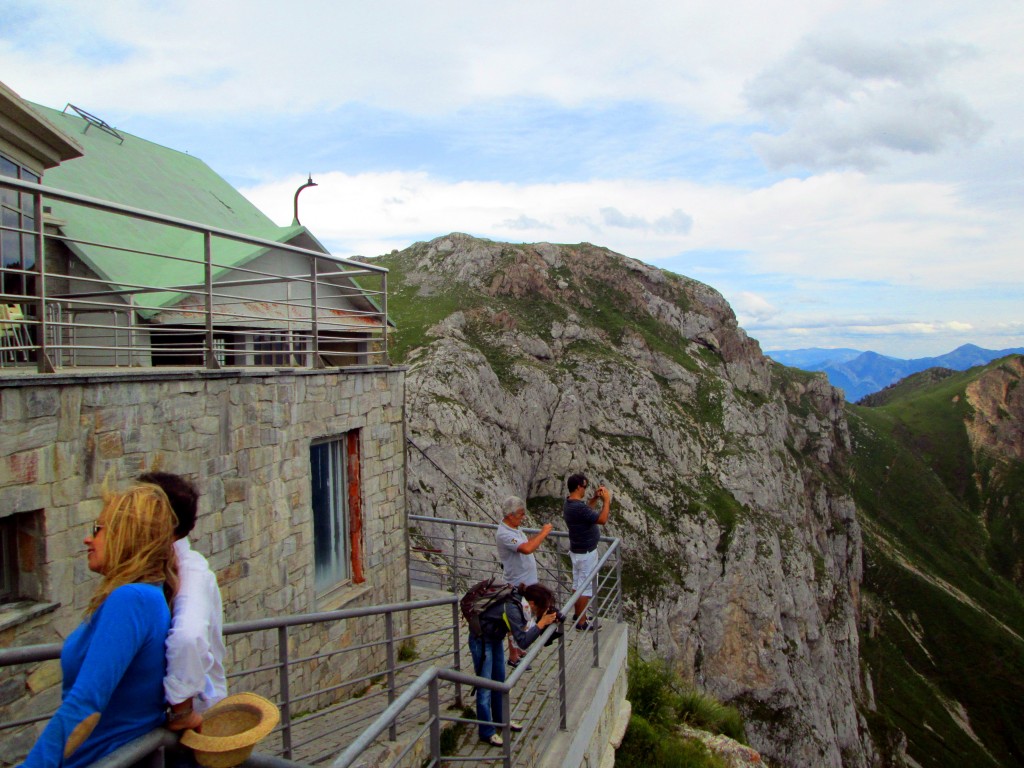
230, 730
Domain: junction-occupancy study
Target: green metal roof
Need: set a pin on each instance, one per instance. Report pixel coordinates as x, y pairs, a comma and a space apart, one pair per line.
141, 174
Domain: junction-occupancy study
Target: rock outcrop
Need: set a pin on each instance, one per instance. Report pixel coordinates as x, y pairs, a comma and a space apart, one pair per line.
742, 559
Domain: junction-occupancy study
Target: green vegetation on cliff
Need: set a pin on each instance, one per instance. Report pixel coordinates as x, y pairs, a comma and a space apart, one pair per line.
661, 703
943, 626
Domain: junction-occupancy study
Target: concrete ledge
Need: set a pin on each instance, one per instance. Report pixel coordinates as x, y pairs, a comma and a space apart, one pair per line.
595, 710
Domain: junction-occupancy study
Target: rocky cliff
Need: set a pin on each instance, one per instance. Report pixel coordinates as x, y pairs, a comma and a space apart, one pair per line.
742, 559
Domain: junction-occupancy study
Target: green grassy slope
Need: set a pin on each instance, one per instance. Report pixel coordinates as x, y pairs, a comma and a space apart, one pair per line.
944, 630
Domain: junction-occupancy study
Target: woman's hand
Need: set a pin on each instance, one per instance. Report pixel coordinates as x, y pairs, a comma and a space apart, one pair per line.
548, 618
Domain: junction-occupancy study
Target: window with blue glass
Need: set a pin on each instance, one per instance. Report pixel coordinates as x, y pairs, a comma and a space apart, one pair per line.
334, 476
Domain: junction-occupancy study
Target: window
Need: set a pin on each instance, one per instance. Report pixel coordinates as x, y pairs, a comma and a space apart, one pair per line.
337, 510
17, 248
21, 557
276, 348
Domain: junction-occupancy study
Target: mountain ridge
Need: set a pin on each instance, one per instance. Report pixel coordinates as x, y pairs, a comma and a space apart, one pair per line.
867, 372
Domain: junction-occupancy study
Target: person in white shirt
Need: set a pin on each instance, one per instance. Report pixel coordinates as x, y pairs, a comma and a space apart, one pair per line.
515, 550
195, 679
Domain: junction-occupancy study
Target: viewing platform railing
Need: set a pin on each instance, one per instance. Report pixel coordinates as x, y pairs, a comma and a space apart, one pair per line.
399, 708
212, 299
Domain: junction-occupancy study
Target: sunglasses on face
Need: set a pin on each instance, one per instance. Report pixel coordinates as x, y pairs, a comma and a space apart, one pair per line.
96, 529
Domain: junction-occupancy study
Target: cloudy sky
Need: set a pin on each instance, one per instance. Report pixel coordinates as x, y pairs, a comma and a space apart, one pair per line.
847, 174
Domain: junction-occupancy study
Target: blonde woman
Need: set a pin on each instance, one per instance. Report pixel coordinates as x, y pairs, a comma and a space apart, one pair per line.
113, 664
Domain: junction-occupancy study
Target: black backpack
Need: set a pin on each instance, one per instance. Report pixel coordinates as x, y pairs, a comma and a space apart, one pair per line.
479, 598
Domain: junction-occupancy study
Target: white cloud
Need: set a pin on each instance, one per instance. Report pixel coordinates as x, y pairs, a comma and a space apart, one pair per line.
835, 226
844, 102
751, 309
676, 222
232, 55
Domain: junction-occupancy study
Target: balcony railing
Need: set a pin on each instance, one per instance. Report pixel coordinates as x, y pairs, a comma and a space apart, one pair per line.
395, 707
306, 685
214, 299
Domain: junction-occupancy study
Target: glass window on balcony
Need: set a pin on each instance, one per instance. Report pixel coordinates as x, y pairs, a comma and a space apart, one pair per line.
17, 225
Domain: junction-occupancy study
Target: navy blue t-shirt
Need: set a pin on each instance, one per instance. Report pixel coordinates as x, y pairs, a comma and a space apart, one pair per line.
581, 520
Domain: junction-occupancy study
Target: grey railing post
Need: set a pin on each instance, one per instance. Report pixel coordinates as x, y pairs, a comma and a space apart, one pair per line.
456, 634
506, 728
434, 702
595, 600
384, 319
455, 560
43, 362
286, 709
563, 704
389, 633
618, 584
212, 364
314, 305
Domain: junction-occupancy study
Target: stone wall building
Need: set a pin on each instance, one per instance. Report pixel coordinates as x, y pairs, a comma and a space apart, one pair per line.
291, 422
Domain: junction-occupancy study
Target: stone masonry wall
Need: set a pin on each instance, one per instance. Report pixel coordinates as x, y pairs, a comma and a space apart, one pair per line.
244, 438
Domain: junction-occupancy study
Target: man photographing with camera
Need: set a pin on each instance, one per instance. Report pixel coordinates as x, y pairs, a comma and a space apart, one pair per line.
583, 521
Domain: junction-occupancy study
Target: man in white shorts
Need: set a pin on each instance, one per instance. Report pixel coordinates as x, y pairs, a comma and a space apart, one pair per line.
583, 521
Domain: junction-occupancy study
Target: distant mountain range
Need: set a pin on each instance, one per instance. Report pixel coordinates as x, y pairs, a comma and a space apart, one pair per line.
860, 373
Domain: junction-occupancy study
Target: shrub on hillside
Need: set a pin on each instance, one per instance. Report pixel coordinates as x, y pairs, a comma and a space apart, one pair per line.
660, 703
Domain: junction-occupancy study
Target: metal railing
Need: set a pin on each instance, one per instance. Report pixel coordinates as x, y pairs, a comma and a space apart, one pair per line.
458, 553
308, 709
215, 298
412, 702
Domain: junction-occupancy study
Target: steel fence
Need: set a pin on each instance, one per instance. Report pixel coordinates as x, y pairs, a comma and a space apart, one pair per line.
339, 708
392, 704
455, 554
211, 298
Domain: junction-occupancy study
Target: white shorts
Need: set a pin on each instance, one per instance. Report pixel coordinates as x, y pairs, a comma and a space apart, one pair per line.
582, 565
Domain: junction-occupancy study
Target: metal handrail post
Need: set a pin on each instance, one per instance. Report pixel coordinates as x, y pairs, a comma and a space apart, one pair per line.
506, 727
563, 703
389, 634
596, 600
43, 362
211, 355
457, 635
455, 560
384, 319
618, 585
314, 320
434, 703
286, 708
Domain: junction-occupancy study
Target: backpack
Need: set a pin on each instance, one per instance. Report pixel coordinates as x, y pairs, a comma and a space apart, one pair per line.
479, 598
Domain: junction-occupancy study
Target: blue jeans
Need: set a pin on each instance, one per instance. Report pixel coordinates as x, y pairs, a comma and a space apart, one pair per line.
488, 661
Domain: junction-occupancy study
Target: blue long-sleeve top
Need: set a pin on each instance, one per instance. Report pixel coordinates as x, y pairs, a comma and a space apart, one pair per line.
113, 664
